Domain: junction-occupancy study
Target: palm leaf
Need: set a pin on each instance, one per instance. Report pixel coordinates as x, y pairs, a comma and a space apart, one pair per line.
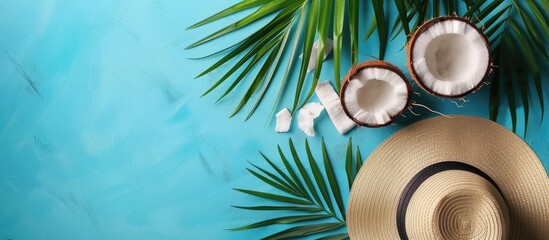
521, 21
338, 236
522, 76
489, 9
274, 197
451, 7
310, 206
292, 173
353, 27
349, 163
491, 29
418, 9
358, 159
290, 64
436, 8
283, 220
422, 13
382, 30
517, 27
290, 181
310, 32
532, 35
473, 8
404, 19
219, 51
259, 54
280, 208
318, 178
313, 17
303, 172
260, 77
334, 187
268, 38
246, 4
325, 13
302, 231
371, 29
510, 90
339, 14
271, 73
264, 10
275, 183
539, 16
402, 23
494, 92
255, 40
539, 89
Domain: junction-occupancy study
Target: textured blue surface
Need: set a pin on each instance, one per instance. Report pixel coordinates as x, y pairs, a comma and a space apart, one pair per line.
103, 134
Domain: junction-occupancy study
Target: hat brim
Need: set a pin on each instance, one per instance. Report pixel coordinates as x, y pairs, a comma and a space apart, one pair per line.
481, 143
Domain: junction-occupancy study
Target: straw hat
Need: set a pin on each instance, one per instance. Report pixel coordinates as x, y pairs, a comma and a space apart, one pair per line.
451, 178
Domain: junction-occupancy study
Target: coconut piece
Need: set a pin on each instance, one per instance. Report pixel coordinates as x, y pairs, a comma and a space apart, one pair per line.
306, 117
329, 98
283, 120
314, 53
448, 56
374, 93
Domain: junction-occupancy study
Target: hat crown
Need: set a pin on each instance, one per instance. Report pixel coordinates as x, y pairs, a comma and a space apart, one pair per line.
457, 204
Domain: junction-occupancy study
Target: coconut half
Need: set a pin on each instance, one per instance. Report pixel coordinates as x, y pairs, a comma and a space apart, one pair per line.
374, 93
448, 56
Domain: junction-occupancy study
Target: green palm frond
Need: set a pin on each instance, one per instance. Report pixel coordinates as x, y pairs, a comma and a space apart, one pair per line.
313, 195
518, 32
294, 21
296, 24
518, 35
411, 14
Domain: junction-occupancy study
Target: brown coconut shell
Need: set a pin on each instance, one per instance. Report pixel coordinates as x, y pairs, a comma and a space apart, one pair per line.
423, 28
372, 64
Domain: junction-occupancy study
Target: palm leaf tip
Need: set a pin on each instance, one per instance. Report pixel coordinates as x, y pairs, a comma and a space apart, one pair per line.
317, 199
306, 230
282, 220
265, 9
349, 163
243, 5
315, 18
516, 25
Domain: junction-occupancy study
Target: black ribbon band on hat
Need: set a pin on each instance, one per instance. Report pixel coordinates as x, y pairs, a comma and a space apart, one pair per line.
420, 177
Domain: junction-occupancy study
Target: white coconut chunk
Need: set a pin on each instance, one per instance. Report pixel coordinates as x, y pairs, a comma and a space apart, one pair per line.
329, 98
283, 120
314, 53
306, 117
375, 96
450, 57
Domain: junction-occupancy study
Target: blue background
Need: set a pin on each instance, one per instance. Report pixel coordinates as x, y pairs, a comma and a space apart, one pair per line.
103, 134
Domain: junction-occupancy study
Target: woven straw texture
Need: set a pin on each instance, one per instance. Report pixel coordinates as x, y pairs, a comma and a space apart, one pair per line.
452, 204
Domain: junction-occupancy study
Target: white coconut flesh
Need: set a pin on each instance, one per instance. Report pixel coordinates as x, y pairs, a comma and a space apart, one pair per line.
375, 96
306, 117
314, 53
283, 120
331, 101
450, 57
